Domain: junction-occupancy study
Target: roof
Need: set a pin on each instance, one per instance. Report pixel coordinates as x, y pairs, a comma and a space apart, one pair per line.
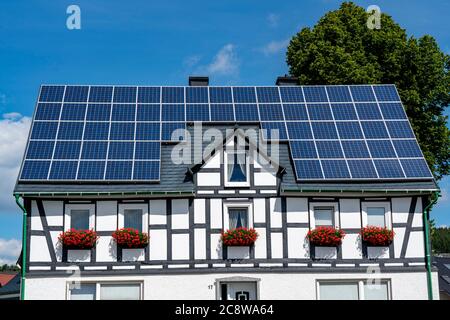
94, 140
5, 278
443, 266
12, 287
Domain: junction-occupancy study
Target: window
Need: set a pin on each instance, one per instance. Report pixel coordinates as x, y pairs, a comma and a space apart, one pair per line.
323, 216
375, 216
376, 213
238, 217
83, 291
120, 291
237, 169
237, 214
375, 289
105, 291
339, 291
79, 219
133, 219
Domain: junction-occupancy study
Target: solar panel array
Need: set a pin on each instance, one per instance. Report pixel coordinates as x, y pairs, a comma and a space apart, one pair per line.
112, 133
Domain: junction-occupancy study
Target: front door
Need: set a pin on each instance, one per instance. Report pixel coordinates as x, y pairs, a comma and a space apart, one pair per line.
239, 290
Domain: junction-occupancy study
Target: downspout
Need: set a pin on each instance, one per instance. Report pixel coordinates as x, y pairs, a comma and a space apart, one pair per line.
426, 214
24, 247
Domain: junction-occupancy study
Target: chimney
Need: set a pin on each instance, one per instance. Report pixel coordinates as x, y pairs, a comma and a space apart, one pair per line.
287, 81
198, 81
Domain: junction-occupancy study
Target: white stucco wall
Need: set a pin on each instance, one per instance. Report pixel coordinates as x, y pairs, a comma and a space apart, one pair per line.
273, 286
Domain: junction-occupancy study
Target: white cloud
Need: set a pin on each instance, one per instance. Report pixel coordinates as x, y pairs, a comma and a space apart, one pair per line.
225, 62
273, 19
9, 251
13, 136
274, 47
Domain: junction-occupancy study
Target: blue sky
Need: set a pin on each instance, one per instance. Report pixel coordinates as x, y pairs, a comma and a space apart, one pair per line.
158, 42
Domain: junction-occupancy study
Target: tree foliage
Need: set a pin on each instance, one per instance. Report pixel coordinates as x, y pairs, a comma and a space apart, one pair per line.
440, 240
341, 49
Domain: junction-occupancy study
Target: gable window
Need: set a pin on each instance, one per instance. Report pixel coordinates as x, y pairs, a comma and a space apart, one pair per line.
133, 219
323, 216
238, 217
79, 219
236, 168
376, 216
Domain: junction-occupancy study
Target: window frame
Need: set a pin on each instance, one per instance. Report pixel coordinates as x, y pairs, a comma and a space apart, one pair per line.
133, 206
98, 285
376, 204
228, 183
360, 282
79, 206
236, 205
335, 215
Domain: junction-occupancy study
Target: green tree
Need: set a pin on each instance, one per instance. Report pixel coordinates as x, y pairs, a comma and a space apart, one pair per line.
440, 240
341, 49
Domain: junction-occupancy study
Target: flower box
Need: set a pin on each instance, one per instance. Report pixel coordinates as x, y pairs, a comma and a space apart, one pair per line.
78, 239
325, 236
239, 237
377, 236
130, 238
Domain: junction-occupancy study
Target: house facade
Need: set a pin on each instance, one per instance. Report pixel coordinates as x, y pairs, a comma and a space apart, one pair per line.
84, 168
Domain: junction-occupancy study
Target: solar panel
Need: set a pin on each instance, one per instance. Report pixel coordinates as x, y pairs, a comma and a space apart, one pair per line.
268, 94
315, 94
319, 112
76, 94
197, 112
172, 112
220, 95
197, 95
295, 112
148, 112
244, 94
270, 112
73, 111
102, 133
91, 170
172, 95
48, 111
100, 94
246, 112
149, 95
291, 94
98, 112
123, 112
222, 112
125, 94
51, 93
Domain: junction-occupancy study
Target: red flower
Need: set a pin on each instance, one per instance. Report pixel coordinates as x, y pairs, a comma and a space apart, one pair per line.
78, 239
239, 237
325, 236
131, 238
377, 236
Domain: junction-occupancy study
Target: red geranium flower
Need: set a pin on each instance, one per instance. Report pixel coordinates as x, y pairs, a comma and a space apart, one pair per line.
131, 238
326, 236
78, 239
239, 237
377, 236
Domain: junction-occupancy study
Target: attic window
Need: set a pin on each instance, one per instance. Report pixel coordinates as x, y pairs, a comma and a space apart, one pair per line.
237, 169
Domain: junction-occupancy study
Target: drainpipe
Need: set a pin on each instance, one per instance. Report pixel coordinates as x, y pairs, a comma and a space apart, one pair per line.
426, 214
24, 247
